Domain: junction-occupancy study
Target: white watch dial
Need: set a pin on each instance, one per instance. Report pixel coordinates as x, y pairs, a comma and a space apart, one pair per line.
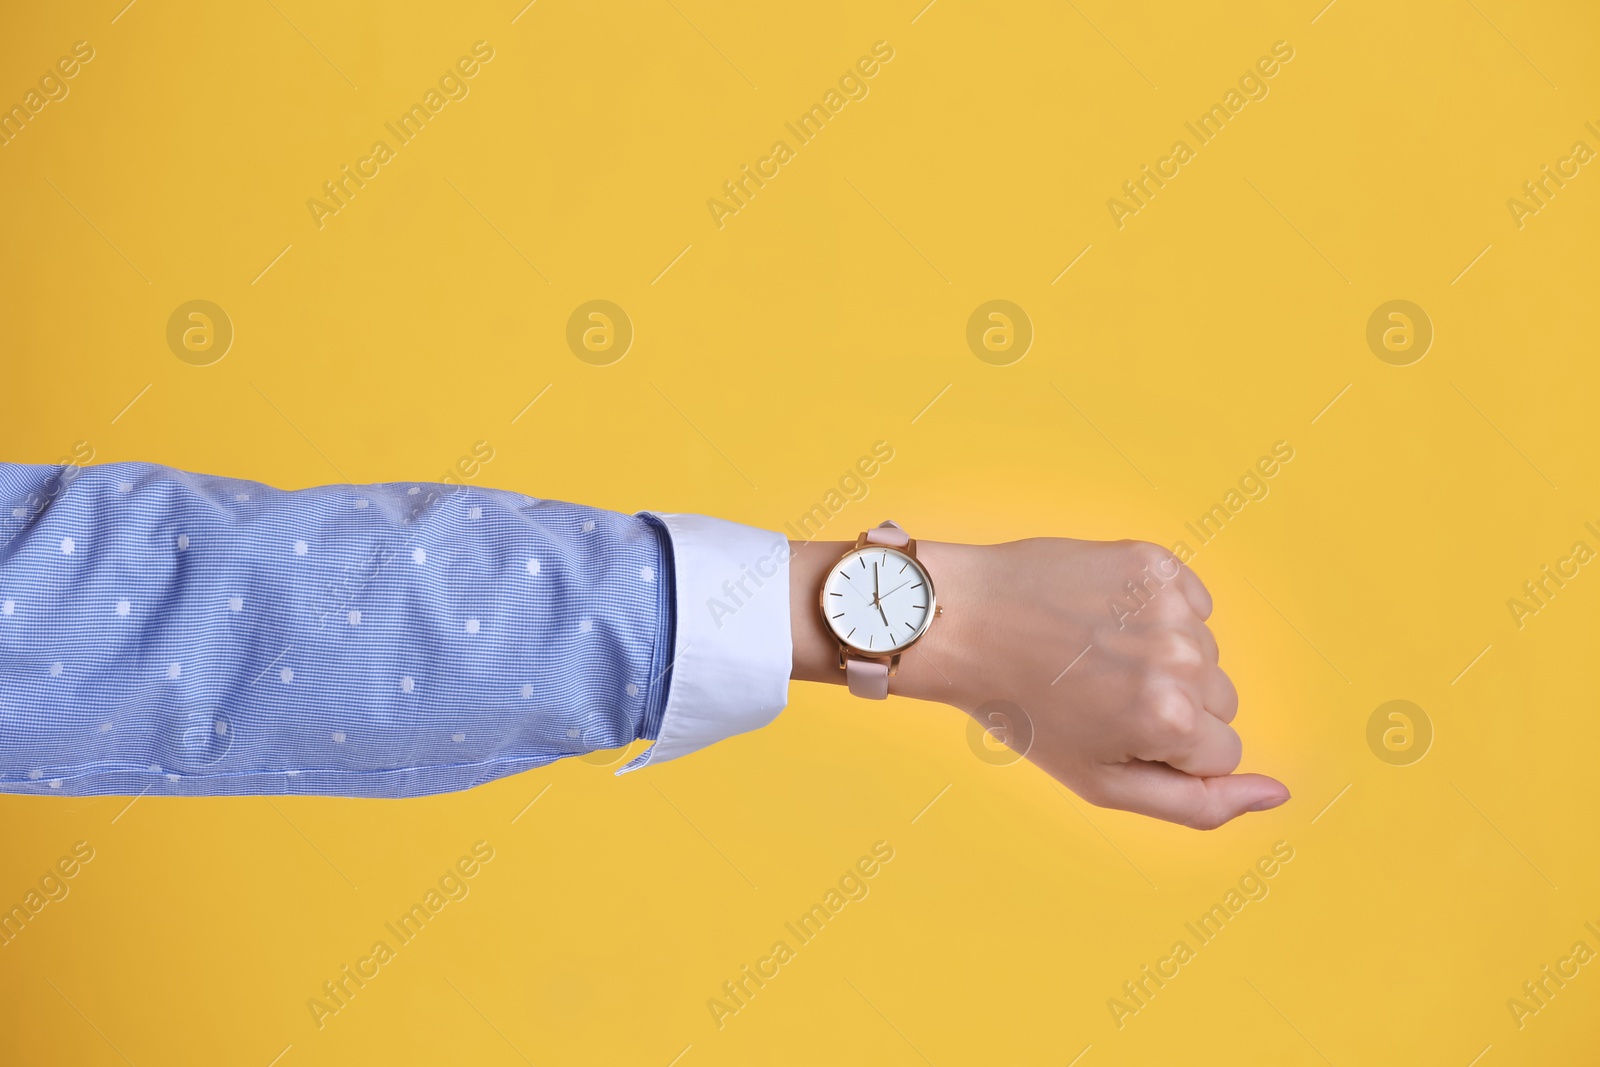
877, 600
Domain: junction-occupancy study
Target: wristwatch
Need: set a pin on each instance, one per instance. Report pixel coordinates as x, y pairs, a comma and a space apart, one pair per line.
877, 601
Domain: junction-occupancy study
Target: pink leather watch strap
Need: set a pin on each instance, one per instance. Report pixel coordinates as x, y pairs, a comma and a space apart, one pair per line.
888, 534
867, 678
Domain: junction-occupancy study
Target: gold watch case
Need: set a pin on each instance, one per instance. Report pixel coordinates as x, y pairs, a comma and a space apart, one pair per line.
891, 656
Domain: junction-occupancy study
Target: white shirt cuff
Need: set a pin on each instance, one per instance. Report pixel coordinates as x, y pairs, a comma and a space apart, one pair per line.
733, 652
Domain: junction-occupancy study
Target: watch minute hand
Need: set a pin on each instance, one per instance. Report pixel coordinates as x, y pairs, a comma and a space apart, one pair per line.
877, 600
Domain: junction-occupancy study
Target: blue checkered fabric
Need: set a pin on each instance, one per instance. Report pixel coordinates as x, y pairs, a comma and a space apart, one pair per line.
172, 633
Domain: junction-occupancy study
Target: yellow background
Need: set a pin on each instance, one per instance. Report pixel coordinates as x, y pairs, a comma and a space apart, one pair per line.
825, 316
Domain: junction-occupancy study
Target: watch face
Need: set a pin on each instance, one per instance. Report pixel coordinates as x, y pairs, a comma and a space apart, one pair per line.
877, 600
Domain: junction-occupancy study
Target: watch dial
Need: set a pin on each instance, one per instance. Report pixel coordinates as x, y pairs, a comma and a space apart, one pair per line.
877, 600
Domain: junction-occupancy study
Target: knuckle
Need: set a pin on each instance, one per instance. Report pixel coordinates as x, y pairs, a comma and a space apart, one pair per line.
1170, 606
1174, 716
1149, 687
1167, 567
1177, 647
1148, 556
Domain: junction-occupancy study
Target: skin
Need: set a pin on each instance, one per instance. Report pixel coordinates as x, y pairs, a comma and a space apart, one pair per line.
1141, 721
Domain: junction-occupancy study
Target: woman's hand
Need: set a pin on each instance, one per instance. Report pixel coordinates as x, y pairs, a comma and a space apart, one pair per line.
1102, 646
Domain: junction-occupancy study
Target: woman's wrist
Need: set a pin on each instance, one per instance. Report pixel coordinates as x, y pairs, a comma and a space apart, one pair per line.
816, 652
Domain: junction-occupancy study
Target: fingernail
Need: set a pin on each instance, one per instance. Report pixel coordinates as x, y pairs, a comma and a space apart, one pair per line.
1268, 803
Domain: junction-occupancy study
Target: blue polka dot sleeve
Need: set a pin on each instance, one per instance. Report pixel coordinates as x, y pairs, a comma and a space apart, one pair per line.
173, 633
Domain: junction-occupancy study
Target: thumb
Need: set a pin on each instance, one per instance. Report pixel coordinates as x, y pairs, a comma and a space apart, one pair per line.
1163, 792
